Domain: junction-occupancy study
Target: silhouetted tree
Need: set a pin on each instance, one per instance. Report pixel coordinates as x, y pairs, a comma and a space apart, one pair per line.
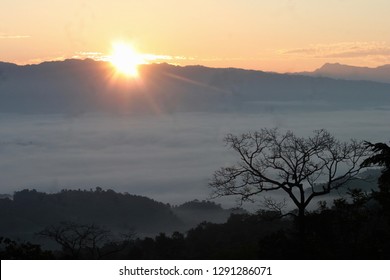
381, 157
303, 168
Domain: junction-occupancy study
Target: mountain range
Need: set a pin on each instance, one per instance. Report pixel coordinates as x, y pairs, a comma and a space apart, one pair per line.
83, 86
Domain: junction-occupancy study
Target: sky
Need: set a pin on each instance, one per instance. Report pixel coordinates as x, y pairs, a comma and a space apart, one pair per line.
270, 35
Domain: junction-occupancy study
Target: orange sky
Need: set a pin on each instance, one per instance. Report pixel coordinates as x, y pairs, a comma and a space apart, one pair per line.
271, 35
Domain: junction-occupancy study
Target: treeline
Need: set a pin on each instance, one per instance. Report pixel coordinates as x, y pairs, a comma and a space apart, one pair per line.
358, 229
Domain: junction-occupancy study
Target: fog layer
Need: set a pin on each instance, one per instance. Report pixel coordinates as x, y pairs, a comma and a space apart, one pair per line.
168, 157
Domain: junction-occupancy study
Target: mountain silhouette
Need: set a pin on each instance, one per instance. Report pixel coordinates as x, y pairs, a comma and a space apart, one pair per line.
347, 72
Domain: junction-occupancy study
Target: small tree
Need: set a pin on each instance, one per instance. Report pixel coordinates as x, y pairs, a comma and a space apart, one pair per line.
75, 238
303, 168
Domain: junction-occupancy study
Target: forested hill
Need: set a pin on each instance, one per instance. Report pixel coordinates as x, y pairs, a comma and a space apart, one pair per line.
30, 211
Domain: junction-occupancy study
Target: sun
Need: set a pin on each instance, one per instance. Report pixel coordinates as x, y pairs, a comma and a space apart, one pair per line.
125, 59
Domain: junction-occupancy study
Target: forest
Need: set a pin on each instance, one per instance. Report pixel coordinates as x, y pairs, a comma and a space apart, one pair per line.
347, 230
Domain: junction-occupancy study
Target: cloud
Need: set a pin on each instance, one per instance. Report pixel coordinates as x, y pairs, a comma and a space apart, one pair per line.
341, 50
5, 36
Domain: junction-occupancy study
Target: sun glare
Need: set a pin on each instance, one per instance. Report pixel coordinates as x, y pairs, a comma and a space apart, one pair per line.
125, 59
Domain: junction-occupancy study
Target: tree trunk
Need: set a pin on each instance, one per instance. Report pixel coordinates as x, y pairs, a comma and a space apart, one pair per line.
302, 232
301, 221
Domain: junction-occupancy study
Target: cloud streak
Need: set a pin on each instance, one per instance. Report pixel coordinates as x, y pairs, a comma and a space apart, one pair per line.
340, 50
13, 37
93, 55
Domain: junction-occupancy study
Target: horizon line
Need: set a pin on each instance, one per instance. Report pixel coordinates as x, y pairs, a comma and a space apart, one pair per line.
187, 65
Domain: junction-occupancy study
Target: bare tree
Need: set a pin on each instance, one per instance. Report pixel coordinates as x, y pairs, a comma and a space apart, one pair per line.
303, 168
74, 238
88, 240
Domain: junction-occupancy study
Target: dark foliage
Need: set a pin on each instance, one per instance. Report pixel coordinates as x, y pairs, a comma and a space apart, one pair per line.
381, 157
14, 250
